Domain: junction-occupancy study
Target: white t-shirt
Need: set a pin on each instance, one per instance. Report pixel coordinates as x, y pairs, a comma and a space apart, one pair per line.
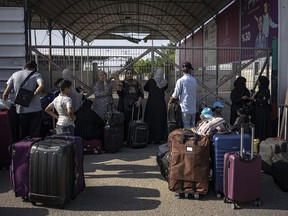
61, 104
36, 79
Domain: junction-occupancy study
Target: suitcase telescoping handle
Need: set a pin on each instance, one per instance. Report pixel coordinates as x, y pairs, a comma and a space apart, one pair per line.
138, 114
252, 139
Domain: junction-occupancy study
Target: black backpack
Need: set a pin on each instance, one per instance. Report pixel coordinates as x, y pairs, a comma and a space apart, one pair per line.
174, 117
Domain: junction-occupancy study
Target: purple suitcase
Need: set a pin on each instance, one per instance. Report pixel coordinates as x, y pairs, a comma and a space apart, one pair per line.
93, 146
19, 168
6, 138
79, 170
242, 175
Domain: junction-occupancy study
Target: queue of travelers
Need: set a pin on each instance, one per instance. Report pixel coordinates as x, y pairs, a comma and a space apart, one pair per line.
64, 108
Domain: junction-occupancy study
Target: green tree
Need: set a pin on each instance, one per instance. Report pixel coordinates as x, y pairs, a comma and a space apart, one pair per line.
144, 65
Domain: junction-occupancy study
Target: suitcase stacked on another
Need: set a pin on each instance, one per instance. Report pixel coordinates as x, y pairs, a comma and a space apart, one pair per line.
138, 132
189, 163
242, 175
274, 145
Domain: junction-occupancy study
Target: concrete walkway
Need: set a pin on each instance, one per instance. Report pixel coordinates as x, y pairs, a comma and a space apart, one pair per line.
129, 183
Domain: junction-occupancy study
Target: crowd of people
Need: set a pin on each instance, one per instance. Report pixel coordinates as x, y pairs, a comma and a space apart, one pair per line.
70, 105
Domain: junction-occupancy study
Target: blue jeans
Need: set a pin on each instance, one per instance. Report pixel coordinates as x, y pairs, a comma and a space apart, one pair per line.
65, 130
188, 120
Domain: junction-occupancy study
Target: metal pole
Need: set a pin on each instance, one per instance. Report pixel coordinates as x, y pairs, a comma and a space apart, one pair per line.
50, 53
74, 64
64, 50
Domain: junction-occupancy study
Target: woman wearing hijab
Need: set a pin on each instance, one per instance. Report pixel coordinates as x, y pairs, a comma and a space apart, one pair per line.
75, 96
239, 96
156, 111
103, 101
130, 94
261, 115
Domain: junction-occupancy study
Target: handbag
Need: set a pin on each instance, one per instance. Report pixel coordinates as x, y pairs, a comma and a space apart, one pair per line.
24, 96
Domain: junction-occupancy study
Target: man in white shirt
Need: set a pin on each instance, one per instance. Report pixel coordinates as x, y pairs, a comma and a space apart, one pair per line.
186, 90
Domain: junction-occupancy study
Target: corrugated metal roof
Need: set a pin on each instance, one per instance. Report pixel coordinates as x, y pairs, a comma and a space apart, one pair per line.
94, 19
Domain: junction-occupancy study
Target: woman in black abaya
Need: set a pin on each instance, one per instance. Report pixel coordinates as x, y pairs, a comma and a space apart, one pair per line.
156, 110
239, 96
261, 111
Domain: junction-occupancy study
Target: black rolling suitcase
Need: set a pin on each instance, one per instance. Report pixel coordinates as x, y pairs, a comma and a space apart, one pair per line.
162, 159
280, 170
138, 132
52, 172
274, 145
114, 132
78, 144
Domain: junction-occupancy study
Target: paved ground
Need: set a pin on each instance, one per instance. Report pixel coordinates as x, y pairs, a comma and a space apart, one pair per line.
129, 183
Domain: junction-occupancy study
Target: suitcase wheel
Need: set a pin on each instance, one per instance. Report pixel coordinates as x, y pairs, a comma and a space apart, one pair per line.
257, 202
95, 151
235, 205
219, 195
187, 195
196, 196
226, 200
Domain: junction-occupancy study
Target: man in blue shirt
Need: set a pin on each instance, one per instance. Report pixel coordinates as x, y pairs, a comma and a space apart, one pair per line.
185, 91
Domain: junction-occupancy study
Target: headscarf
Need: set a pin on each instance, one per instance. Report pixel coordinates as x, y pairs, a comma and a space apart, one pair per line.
264, 82
159, 78
87, 104
240, 82
75, 96
102, 72
67, 74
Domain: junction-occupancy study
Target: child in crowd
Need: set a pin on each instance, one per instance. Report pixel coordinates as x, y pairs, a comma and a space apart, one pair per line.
242, 118
63, 105
206, 113
217, 109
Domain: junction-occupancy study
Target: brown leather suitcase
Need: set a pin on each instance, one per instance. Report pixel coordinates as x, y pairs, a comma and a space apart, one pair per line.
189, 163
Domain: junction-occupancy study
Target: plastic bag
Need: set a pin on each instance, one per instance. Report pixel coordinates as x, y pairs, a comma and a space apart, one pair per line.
5, 104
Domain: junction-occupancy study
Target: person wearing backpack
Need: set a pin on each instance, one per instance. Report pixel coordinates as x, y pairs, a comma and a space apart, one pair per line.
185, 90
30, 117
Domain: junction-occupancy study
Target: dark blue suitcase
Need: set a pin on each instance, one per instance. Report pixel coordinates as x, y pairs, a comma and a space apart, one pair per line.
222, 144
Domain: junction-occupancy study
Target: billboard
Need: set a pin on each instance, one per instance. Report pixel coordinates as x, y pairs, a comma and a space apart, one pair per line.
210, 42
228, 33
259, 23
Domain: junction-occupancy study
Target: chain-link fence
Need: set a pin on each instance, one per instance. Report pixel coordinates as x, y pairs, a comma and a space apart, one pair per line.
215, 68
